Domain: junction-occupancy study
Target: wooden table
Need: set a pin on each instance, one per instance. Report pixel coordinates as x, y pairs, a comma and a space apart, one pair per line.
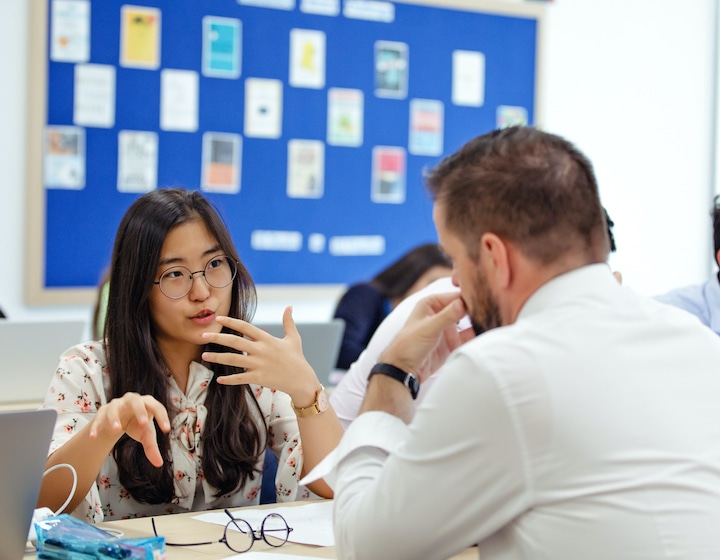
182, 527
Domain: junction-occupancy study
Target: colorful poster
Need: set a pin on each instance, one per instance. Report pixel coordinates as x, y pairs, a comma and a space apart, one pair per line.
509, 115
388, 175
345, 117
263, 108
426, 127
222, 47
221, 162
307, 58
137, 161
64, 157
306, 169
391, 69
70, 31
140, 37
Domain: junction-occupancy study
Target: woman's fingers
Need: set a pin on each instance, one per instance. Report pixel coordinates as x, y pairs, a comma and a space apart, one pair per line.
133, 414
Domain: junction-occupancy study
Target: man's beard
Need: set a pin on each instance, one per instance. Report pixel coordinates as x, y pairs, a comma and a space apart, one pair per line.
483, 307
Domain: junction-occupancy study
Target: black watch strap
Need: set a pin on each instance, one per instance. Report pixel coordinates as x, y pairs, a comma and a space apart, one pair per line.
407, 379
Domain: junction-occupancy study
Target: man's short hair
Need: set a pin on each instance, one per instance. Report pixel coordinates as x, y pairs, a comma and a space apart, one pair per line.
529, 187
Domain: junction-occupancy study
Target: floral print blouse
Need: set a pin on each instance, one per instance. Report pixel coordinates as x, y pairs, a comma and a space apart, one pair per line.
80, 386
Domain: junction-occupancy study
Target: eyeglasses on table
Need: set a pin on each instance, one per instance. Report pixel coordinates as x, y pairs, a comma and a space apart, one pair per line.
239, 536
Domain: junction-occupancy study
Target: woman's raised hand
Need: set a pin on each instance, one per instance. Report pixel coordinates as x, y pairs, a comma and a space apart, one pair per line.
277, 363
132, 414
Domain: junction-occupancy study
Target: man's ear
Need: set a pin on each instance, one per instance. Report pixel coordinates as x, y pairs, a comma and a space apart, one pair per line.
717, 257
497, 263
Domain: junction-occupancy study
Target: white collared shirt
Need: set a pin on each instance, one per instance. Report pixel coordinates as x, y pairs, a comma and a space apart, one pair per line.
589, 429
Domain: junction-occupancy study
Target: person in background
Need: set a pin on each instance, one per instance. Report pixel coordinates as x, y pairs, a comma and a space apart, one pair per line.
174, 410
364, 306
702, 300
348, 396
582, 424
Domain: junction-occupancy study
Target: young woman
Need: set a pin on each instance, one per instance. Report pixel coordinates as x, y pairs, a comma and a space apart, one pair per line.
174, 409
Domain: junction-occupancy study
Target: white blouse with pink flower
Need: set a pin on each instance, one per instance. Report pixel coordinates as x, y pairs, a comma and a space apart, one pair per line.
80, 386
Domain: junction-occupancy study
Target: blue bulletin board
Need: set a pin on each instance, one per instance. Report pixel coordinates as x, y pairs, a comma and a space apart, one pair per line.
307, 123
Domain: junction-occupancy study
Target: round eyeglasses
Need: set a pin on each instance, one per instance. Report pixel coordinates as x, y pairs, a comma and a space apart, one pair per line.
239, 536
177, 281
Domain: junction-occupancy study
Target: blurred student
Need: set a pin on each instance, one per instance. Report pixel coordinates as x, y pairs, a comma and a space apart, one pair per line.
173, 411
702, 300
364, 306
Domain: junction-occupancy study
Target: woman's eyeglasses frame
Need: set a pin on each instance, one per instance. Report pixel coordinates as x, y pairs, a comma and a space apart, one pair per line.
239, 524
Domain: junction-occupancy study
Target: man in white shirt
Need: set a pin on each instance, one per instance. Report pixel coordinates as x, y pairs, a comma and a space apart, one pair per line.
585, 422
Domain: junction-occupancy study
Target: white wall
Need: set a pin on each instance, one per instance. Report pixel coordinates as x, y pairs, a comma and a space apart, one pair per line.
630, 82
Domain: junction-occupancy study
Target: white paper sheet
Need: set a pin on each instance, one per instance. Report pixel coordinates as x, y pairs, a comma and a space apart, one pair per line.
94, 100
263, 108
311, 523
179, 100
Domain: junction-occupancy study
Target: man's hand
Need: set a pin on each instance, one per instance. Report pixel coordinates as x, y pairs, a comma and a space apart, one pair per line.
429, 335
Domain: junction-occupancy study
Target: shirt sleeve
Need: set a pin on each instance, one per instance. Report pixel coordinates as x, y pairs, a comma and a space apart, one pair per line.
76, 391
285, 443
348, 396
450, 479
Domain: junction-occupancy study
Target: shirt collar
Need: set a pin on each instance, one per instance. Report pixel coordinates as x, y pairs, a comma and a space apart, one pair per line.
591, 279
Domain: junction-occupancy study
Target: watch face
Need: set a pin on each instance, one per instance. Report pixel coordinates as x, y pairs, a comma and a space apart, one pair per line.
322, 401
414, 385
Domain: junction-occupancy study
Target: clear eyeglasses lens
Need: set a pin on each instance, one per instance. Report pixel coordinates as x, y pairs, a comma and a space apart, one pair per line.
177, 281
239, 535
275, 530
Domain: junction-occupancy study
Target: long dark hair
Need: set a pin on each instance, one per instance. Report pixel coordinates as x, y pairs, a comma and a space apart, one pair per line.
232, 439
395, 280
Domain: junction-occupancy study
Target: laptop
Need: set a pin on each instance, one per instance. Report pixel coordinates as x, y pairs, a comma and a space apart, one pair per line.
29, 352
320, 342
24, 441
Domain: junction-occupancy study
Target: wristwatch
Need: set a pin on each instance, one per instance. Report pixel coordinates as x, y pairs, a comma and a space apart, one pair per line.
320, 405
407, 379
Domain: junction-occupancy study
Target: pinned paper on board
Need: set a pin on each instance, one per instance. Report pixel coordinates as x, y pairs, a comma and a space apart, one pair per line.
70, 31
391, 69
307, 58
508, 115
320, 7
426, 127
94, 99
137, 161
306, 169
468, 78
179, 100
64, 157
345, 117
388, 175
222, 47
221, 162
263, 108
140, 37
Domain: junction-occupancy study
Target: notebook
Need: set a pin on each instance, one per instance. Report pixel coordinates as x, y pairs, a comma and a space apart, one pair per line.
24, 441
29, 352
320, 342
